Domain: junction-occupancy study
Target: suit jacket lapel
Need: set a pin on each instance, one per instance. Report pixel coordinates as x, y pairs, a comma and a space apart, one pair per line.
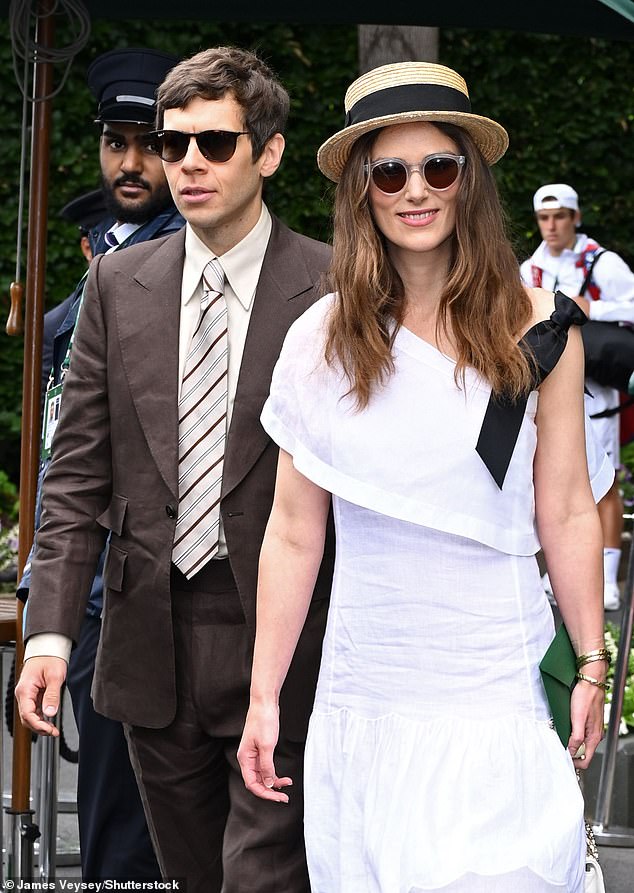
148, 315
284, 277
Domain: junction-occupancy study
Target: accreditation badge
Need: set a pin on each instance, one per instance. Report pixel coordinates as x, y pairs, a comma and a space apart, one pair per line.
52, 404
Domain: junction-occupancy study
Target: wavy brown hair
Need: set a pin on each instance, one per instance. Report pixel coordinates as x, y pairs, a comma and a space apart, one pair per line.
483, 302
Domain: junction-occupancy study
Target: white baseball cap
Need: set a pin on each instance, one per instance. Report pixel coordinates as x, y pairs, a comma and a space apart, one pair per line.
555, 195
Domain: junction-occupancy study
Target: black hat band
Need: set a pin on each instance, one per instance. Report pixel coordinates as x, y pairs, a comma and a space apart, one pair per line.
407, 98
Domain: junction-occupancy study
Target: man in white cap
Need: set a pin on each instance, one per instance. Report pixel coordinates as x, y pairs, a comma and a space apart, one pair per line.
602, 284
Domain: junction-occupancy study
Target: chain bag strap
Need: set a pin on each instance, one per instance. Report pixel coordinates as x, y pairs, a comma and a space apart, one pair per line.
594, 882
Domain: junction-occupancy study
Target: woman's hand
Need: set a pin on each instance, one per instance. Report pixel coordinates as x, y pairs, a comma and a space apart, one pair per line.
255, 754
291, 553
586, 713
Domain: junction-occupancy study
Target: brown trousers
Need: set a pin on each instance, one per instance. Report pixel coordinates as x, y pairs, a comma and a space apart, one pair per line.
205, 826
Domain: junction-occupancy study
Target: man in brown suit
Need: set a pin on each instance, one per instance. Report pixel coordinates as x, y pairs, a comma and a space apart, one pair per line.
176, 644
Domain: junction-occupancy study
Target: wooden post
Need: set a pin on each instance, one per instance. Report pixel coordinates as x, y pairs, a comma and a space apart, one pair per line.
33, 319
382, 44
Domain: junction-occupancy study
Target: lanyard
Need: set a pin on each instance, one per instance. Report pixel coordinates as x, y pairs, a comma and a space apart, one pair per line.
53, 396
66, 361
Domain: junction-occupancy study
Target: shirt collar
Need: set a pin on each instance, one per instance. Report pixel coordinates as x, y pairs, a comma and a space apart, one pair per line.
581, 243
543, 256
241, 264
119, 233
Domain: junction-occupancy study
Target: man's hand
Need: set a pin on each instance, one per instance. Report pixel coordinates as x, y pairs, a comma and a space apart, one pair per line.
38, 693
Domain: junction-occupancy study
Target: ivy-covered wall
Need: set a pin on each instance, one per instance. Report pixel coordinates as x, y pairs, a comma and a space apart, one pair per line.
568, 105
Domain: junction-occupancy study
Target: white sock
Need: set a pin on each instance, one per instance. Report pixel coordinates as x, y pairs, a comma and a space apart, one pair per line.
611, 559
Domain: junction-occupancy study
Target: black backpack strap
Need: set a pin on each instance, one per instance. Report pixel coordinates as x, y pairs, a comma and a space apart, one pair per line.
588, 277
614, 410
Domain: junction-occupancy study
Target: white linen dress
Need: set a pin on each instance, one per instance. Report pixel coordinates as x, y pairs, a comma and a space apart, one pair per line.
431, 764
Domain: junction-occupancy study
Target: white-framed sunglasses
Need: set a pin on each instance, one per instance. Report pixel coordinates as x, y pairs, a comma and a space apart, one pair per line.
439, 171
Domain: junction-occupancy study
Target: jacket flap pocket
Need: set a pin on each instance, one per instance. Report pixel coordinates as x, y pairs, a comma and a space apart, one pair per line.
112, 518
113, 568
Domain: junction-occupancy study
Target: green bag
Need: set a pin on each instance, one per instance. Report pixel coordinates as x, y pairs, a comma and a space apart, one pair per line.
559, 670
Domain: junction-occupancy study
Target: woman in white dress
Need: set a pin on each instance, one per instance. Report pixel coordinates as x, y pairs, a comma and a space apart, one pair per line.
437, 404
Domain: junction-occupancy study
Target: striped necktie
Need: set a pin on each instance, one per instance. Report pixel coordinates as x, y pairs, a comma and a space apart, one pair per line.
202, 428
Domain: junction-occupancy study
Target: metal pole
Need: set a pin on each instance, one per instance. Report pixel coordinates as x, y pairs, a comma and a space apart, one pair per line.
2, 863
606, 834
23, 830
23, 835
36, 777
47, 814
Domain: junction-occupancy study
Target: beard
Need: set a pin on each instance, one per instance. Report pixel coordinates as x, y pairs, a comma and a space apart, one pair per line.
124, 210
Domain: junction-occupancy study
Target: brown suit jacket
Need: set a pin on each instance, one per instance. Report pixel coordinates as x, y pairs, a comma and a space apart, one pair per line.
114, 469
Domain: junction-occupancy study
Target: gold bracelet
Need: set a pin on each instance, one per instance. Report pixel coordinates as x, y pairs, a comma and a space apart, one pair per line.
604, 685
592, 660
591, 656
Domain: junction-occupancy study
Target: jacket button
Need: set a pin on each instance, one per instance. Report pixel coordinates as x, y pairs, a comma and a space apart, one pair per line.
170, 510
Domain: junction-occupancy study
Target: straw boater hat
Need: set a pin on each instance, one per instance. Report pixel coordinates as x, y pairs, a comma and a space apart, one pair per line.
405, 92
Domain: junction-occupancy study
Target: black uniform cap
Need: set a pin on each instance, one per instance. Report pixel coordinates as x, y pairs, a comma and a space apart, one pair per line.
85, 210
124, 83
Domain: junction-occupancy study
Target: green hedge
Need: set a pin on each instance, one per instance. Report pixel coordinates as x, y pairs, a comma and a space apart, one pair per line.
567, 103
314, 63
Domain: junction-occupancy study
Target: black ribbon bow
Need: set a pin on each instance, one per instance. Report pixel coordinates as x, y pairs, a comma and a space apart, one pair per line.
503, 417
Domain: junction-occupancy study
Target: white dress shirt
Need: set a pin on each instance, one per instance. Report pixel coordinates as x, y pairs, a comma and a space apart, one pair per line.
611, 274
